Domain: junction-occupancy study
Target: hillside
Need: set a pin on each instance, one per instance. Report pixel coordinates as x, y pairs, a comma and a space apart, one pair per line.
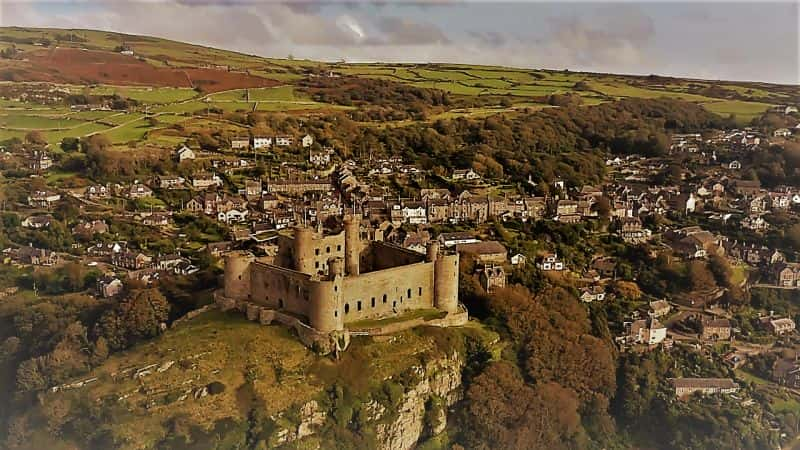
216, 376
172, 81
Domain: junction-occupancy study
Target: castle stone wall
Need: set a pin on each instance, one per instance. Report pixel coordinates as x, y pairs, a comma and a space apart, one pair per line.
390, 290
279, 288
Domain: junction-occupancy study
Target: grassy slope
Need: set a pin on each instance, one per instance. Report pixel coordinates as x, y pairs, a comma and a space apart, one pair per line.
228, 349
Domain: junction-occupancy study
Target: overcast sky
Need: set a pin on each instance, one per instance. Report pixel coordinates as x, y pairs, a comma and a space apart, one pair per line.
715, 40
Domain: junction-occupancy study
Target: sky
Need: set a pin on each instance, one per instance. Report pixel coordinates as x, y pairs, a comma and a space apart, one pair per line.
749, 41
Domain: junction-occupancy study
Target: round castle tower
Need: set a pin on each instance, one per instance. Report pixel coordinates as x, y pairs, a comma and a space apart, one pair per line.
237, 275
445, 282
352, 245
325, 314
303, 250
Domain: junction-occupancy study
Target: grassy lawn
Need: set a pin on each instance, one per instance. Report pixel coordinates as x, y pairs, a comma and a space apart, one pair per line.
425, 314
32, 122
744, 111
133, 131
750, 378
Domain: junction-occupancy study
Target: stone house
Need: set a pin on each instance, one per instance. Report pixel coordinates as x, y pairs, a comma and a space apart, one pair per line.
550, 262
716, 329
488, 252
778, 326
184, 153
492, 278
684, 387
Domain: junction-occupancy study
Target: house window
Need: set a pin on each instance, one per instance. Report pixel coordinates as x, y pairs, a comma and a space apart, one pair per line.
347, 308
359, 305
373, 302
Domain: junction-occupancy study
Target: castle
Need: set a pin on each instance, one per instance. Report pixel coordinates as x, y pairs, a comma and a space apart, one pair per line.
321, 284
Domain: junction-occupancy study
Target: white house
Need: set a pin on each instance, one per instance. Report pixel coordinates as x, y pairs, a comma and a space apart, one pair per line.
466, 174
262, 142
782, 132
550, 262
734, 165
307, 141
184, 153
518, 260
232, 216
284, 141
415, 213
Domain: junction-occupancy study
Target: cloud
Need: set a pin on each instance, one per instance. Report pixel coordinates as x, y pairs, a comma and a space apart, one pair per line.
400, 31
674, 39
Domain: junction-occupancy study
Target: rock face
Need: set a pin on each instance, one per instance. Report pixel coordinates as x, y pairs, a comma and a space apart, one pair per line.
420, 414
440, 379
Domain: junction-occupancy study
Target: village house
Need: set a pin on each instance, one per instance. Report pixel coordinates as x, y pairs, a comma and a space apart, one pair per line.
550, 262
778, 326
43, 199
299, 187
169, 181
685, 387
284, 141
184, 153
131, 260
321, 157
786, 372
217, 249
458, 237
90, 228
492, 278
307, 141
518, 260
108, 287
755, 223
787, 274
204, 180
37, 222
593, 293
137, 190
646, 331
488, 252
659, 308
261, 142
782, 132
632, 232
715, 329
465, 175
155, 220
35, 256
240, 142
39, 161
96, 191
106, 249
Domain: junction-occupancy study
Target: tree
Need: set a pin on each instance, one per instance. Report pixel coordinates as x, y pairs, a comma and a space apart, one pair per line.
70, 144
700, 278
137, 317
35, 137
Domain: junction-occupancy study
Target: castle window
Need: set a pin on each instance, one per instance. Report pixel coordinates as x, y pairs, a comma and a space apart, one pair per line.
335, 313
280, 303
327, 249
408, 293
316, 251
347, 308
316, 264
359, 305
336, 289
338, 248
240, 277
420, 291
384, 298
373, 302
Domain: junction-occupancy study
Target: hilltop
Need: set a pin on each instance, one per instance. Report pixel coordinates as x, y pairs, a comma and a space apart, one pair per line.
173, 79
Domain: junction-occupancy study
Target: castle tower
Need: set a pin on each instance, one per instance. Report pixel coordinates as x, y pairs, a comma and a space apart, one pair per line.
352, 245
303, 251
432, 251
325, 314
445, 283
237, 275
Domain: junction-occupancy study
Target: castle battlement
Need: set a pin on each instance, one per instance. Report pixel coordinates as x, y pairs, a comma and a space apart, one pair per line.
330, 281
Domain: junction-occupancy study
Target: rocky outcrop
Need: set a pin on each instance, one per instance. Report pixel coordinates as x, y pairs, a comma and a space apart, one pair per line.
439, 380
420, 413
